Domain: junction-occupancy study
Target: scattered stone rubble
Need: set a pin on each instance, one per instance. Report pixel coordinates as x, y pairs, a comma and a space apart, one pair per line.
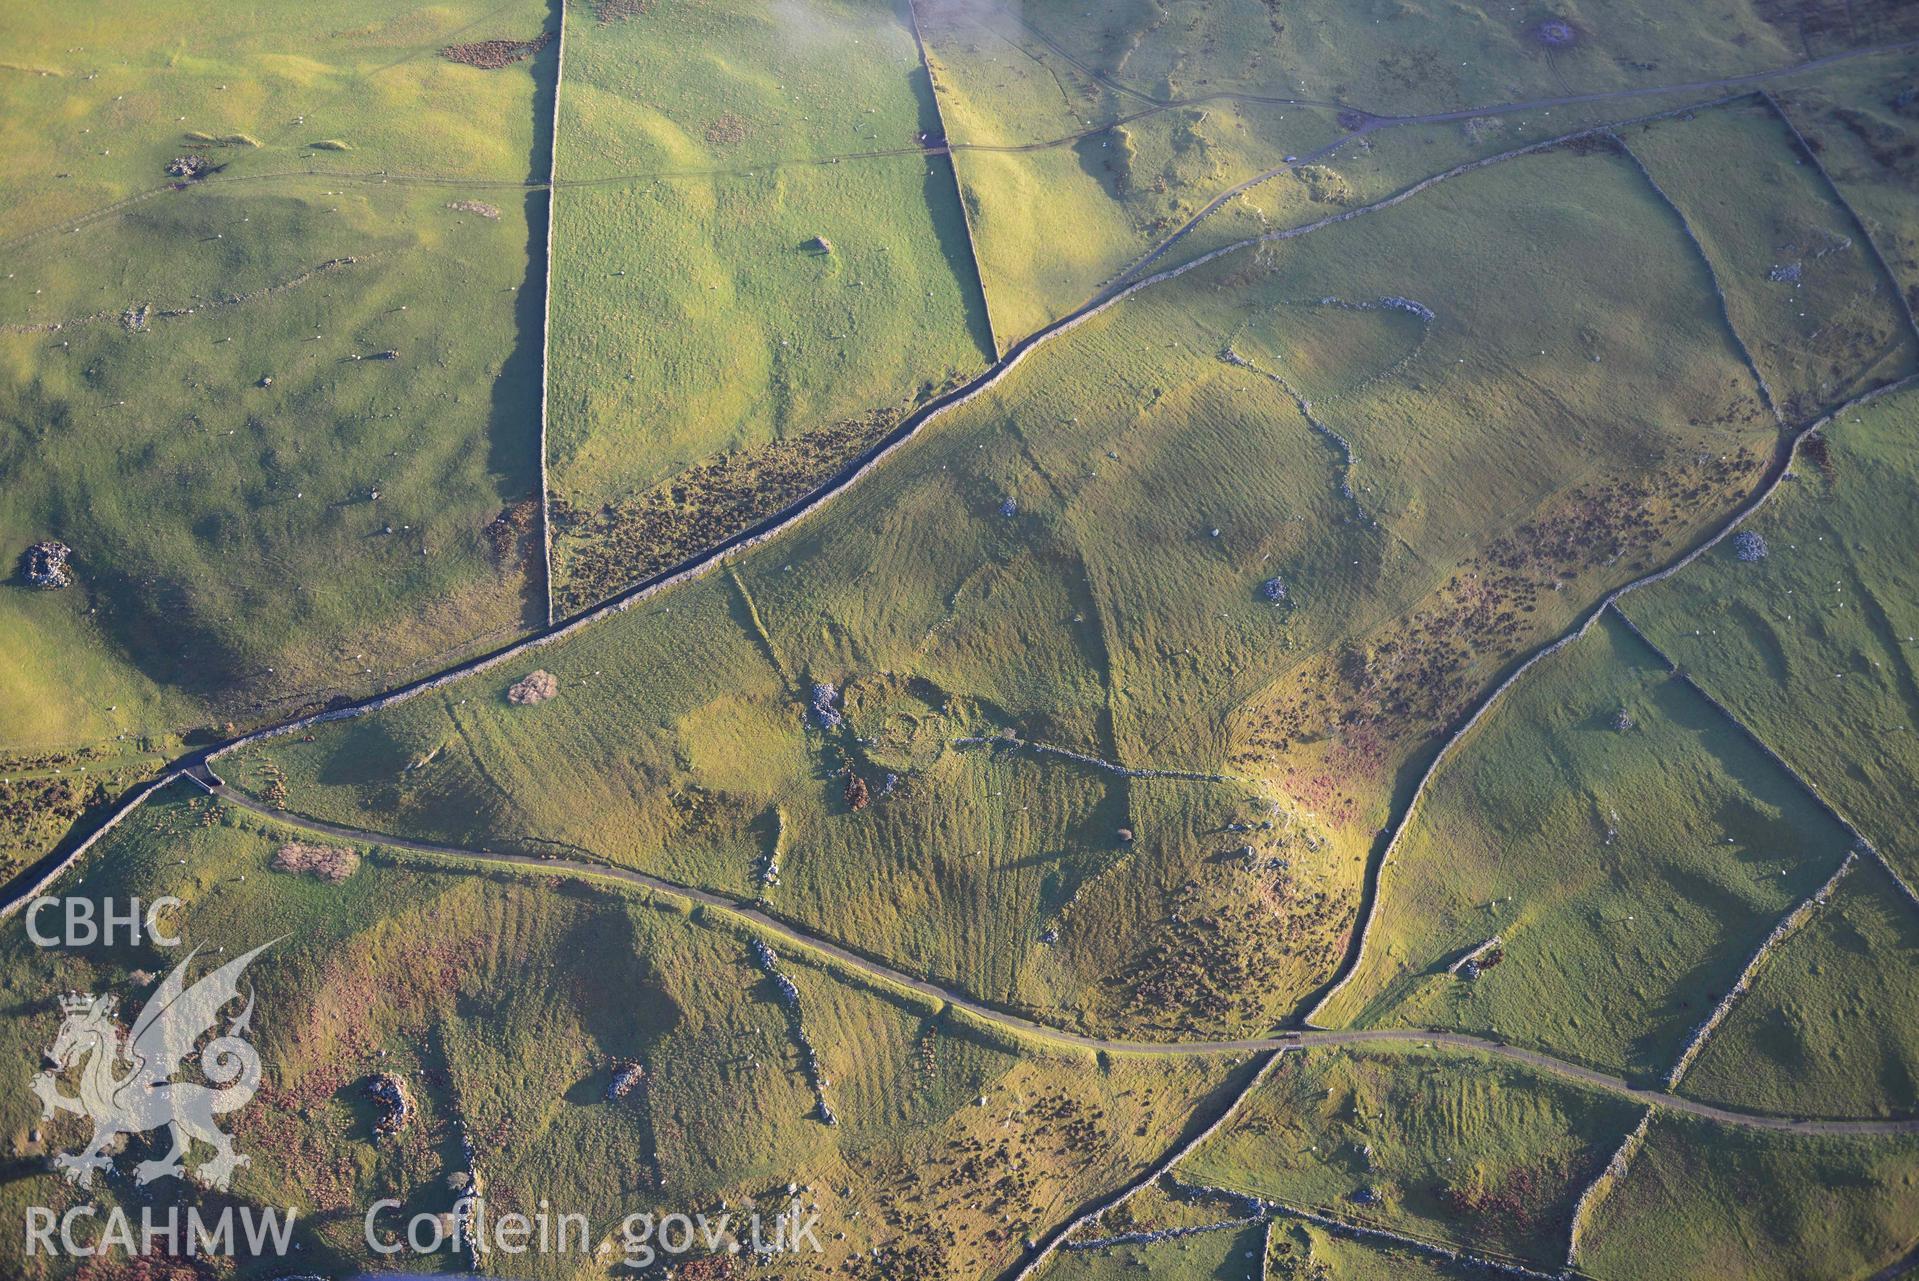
1391, 303
1749, 546
1480, 959
824, 711
1274, 589
627, 1077
388, 1093
45, 565
769, 962
188, 166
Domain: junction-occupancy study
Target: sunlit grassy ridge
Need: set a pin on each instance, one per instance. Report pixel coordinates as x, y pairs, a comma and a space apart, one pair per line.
728, 293
1069, 181
202, 390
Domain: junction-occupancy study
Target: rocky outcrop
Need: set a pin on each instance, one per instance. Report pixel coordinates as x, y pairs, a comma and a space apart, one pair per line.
389, 1095
45, 565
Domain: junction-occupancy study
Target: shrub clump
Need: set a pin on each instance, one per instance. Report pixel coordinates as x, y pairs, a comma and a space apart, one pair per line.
536, 688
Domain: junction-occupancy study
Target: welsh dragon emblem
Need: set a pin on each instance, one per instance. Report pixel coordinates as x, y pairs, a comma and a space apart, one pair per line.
126, 1083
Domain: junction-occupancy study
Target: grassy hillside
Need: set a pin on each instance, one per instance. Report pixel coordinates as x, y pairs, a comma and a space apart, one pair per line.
1409, 58
1019, 567
1617, 836
1227, 1255
736, 308
1304, 1252
1865, 132
203, 386
506, 1003
1801, 284
1441, 1147
1755, 1204
100, 99
1810, 644
1831, 1026
1068, 180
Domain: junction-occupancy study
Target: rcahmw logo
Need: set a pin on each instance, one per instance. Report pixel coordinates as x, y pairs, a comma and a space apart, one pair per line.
126, 1087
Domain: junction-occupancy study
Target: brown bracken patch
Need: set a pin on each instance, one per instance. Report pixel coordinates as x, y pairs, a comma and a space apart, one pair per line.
509, 534
325, 862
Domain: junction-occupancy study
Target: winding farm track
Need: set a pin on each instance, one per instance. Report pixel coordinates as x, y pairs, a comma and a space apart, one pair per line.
797, 936
196, 765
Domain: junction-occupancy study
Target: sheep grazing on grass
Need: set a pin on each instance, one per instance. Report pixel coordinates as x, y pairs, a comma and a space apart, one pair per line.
1749, 546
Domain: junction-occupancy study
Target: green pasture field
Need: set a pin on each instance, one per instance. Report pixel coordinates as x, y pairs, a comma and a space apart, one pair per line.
1306, 1252
1639, 867
1231, 1254
99, 98
1700, 1199
1802, 287
1866, 135
1393, 58
1098, 614
1831, 1025
1444, 1147
1810, 646
1075, 168
229, 556
736, 286
1069, 182
199, 401
505, 1002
